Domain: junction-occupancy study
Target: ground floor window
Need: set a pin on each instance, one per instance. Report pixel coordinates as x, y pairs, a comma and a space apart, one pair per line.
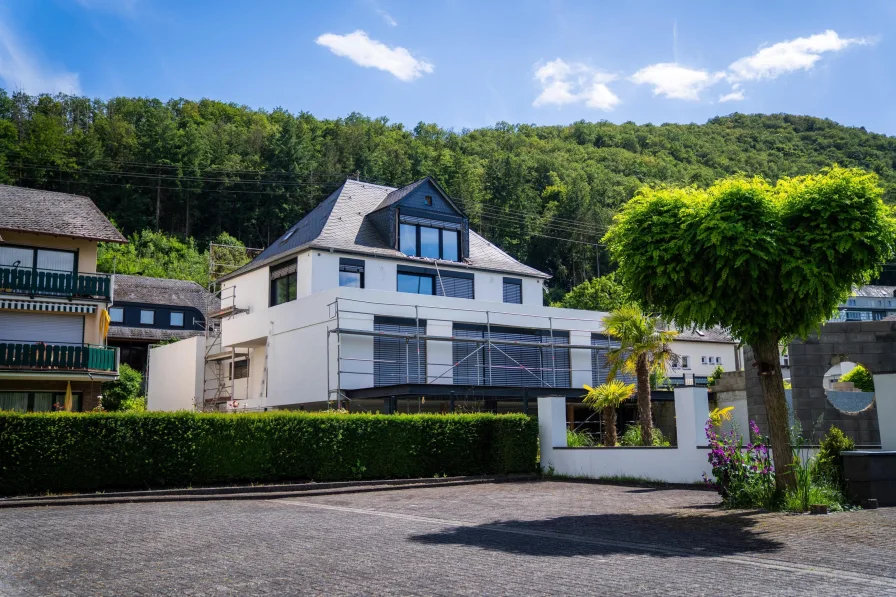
505, 363
38, 401
398, 360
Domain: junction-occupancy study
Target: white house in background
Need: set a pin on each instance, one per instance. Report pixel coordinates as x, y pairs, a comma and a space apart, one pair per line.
384, 299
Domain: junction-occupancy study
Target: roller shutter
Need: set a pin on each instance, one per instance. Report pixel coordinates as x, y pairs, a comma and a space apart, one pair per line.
54, 328
398, 360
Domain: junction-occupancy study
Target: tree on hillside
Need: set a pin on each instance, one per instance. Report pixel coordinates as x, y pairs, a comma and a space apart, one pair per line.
644, 348
768, 261
596, 294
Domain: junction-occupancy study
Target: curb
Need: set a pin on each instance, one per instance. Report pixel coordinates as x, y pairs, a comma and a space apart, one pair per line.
251, 493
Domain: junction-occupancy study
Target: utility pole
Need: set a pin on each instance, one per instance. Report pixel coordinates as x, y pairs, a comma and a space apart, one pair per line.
597, 258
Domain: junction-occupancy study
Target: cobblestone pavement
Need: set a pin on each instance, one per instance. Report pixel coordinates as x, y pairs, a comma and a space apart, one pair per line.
543, 538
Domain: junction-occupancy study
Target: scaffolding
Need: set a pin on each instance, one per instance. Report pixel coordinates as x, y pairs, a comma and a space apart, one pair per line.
547, 374
219, 370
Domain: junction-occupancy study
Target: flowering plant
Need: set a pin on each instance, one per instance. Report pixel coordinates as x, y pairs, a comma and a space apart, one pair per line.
742, 474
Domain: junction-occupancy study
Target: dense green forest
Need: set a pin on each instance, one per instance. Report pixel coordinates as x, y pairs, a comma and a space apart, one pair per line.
543, 193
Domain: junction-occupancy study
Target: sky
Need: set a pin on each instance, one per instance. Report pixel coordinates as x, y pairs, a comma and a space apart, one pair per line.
468, 63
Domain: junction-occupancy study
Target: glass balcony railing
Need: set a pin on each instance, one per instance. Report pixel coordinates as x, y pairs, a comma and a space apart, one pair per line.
41, 356
53, 283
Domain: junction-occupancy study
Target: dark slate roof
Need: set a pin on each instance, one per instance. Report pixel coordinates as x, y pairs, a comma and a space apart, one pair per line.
60, 214
122, 332
399, 194
710, 335
162, 291
874, 291
339, 223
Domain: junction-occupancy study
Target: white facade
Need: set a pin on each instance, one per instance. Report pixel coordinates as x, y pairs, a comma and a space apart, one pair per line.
309, 362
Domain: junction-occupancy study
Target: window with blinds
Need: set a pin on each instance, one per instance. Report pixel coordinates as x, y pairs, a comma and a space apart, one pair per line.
600, 367
513, 291
283, 283
426, 280
398, 360
510, 364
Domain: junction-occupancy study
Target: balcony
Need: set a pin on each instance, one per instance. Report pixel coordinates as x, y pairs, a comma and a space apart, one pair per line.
40, 356
34, 282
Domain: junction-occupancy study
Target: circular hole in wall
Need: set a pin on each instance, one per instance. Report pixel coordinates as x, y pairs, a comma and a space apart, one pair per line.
849, 387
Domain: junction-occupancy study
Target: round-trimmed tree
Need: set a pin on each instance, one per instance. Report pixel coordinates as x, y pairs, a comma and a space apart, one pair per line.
768, 261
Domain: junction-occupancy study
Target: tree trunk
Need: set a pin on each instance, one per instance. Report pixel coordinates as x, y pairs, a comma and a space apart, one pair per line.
768, 362
609, 415
645, 417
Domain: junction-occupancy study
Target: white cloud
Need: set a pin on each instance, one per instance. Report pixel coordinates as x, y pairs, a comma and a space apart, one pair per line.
787, 56
565, 83
20, 69
735, 96
367, 52
387, 17
672, 80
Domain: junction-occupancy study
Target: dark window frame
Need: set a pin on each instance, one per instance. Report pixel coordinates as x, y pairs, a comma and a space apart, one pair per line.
417, 247
276, 279
354, 266
151, 312
434, 274
512, 282
239, 369
183, 319
75, 252
118, 309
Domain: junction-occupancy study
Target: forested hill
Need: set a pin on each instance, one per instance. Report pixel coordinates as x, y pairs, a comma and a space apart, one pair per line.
534, 190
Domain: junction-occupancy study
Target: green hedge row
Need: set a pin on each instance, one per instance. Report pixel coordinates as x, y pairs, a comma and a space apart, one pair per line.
58, 452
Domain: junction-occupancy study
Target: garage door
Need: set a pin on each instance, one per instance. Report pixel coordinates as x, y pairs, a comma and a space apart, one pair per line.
55, 328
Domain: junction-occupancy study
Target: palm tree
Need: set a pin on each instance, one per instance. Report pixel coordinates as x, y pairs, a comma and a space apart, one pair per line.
607, 398
644, 347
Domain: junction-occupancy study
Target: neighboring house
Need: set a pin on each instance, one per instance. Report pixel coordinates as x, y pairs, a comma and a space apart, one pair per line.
383, 299
699, 352
148, 311
51, 299
867, 303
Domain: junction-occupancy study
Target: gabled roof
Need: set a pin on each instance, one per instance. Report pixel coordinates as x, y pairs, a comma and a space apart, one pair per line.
874, 291
715, 334
162, 291
59, 214
340, 223
399, 194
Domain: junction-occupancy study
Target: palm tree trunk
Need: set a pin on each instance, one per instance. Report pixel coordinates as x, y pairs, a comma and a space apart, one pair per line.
609, 415
644, 415
768, 361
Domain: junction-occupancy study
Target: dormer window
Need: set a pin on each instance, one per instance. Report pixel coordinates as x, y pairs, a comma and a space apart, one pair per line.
417, 240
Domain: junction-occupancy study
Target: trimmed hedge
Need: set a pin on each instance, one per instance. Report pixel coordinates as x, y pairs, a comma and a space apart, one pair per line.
59, 452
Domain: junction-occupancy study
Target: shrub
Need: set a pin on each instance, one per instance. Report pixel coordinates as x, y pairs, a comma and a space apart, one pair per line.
829, 462
632, 437
126, 388
56, 452
578, 439
742, 475
715, 376
861, 378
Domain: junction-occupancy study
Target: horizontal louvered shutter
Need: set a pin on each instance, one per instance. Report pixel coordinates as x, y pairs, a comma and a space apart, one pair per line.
513, 293
469, 357
454, 287
283, 269
398, 360
600, 366
430, 222
54, 328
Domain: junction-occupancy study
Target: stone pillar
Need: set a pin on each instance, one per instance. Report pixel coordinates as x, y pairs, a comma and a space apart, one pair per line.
691, 413
885, 397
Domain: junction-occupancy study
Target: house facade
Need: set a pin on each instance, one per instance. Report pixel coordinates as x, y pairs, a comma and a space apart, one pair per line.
149, 311
52, 299
867, 303
383, 299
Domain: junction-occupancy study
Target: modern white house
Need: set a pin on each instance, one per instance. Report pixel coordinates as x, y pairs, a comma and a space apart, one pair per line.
383, 299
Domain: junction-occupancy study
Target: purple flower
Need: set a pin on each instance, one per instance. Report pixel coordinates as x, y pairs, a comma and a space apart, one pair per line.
754, 427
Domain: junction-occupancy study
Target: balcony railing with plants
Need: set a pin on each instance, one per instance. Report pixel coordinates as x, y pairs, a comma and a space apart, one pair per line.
33, 281
41, 356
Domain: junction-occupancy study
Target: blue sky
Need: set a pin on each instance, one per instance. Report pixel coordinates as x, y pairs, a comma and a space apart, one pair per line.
469, 63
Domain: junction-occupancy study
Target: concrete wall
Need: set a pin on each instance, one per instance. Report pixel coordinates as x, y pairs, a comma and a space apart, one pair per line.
731, 390
871, 343
176, 374
684, 463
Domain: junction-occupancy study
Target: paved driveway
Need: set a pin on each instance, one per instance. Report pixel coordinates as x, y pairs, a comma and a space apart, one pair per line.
547, 538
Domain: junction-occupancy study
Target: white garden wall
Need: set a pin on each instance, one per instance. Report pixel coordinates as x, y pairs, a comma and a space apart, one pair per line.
684, 463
